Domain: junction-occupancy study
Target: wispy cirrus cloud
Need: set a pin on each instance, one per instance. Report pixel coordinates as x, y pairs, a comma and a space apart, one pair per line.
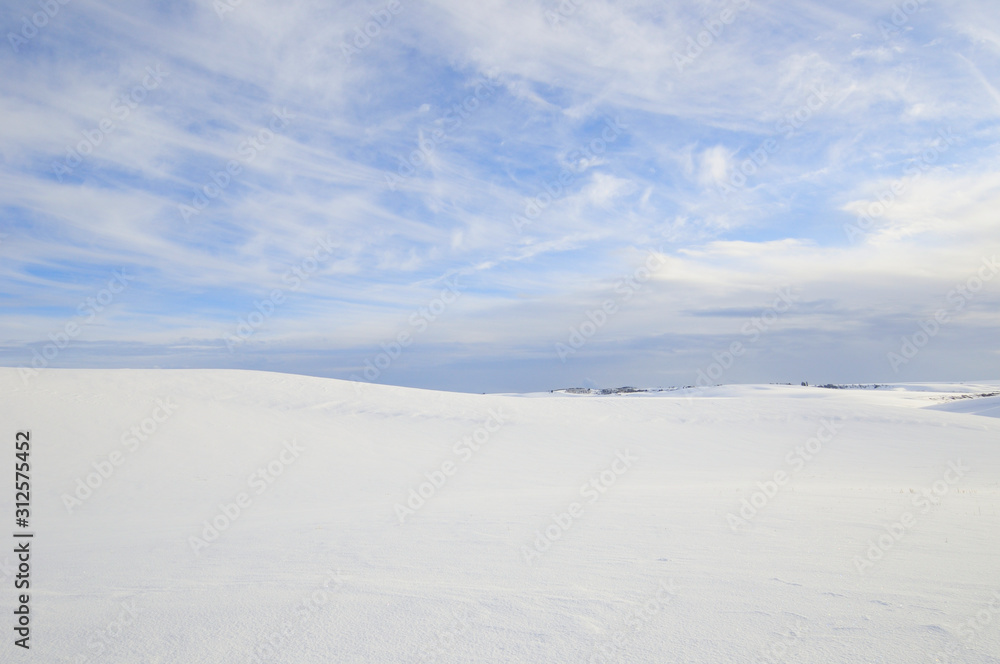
75, 94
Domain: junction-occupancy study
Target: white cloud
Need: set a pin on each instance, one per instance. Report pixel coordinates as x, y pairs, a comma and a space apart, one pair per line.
716, 163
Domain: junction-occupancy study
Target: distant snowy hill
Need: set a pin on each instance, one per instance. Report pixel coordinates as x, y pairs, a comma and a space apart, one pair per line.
231, 516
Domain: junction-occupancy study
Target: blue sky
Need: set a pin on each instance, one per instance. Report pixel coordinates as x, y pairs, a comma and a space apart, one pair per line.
530, 195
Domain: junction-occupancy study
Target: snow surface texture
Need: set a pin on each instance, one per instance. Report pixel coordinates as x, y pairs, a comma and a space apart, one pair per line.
881, 545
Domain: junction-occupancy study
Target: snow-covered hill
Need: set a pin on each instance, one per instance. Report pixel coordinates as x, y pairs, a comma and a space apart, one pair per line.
230, 516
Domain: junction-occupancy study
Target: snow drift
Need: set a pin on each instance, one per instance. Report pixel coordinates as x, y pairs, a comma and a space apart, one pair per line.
231, 516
